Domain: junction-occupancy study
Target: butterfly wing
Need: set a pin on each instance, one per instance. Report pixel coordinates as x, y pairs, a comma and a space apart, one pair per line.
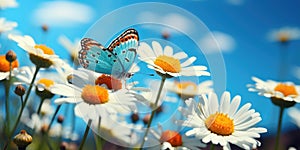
124, 48
94, 56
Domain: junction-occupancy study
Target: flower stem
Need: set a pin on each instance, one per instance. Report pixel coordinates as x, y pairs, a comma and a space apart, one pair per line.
163, 79
53, 117
7, 91
98, 139
40, 106
279, 128
212, 146
86, 132
25, 101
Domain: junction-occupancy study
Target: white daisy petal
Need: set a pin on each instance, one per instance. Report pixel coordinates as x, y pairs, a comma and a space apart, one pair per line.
157, 48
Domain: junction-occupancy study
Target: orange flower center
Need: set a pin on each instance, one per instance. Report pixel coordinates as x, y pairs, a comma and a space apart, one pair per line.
220, 124
186, 85
168, 64
283, 37
173, 137
4, 64
94, 94
47, 82
286, 89
109, 81
45, 49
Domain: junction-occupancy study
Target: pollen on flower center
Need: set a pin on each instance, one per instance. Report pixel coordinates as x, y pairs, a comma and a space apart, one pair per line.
173, 137
168, 64
220, 124
286, 89
283, 37
186, 85
4, 64
109, 81
47, 82
45, 49
94, 94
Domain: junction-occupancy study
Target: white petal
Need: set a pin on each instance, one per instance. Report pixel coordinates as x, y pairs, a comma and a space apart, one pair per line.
180, 55
189, 61
157, 48
145, 51
168, 51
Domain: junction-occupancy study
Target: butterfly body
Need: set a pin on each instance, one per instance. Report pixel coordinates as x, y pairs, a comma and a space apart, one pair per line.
115, 60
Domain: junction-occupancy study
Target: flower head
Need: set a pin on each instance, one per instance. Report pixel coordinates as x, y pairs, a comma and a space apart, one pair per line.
222, 124
172, 139
5, 66
164, 62
41, 55
189, 89
23, 139
282, 93
285, 34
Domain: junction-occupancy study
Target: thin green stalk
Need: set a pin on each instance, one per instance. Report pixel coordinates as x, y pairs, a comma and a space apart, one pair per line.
279, 128
98, 139
40, 106
163, 79
212, 146
86, 132
7, 92
23, 105
53, 117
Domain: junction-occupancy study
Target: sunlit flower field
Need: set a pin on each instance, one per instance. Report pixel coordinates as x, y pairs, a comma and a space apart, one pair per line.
163, 75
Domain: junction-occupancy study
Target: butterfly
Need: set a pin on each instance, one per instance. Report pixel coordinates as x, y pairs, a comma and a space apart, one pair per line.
115, 60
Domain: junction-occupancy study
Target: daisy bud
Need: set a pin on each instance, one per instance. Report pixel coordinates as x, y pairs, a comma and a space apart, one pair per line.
20, 90
60, 119
165, 35
22, 140
45, 28
63, 146
44, 128
146, 119
135, 117
11, 56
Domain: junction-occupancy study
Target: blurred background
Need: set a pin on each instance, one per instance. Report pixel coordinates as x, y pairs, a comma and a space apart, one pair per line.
246, 32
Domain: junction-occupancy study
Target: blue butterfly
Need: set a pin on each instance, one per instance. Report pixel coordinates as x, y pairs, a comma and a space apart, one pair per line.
115, 60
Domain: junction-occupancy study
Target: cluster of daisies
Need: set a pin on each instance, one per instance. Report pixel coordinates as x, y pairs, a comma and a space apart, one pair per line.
112, 107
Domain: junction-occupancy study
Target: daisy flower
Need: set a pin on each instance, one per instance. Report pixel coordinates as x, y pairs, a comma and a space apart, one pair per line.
6, 25
91, 99
284, 34
5, 67
71, 47
8, 4
294, 113
280, 92
165, 62
189, 89
222, 123
172, 140
41, 55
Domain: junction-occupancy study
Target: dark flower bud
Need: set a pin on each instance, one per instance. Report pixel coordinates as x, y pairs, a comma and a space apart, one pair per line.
20, 90
146, 119
134, 117
60, 119
22, 140
11, 56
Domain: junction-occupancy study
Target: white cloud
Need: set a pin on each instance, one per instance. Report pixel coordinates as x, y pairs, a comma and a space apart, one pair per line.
225, 42
177, 21
8, 4
62, 13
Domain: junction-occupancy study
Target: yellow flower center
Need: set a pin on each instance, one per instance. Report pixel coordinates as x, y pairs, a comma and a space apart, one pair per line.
168, 64
186, 85
286, 89
172, 137
4, 64
220, 124
45, 49
94, 94
109, 81
47, 82
283, 37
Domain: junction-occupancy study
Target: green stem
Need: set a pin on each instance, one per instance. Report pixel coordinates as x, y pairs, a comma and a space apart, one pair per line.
163, 79
98, 139
40, 106
53, 117
212, 146
86, 132
24, 104
7, 91
279, 128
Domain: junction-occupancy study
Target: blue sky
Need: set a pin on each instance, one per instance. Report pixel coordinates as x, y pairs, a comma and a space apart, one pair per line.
247, 23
